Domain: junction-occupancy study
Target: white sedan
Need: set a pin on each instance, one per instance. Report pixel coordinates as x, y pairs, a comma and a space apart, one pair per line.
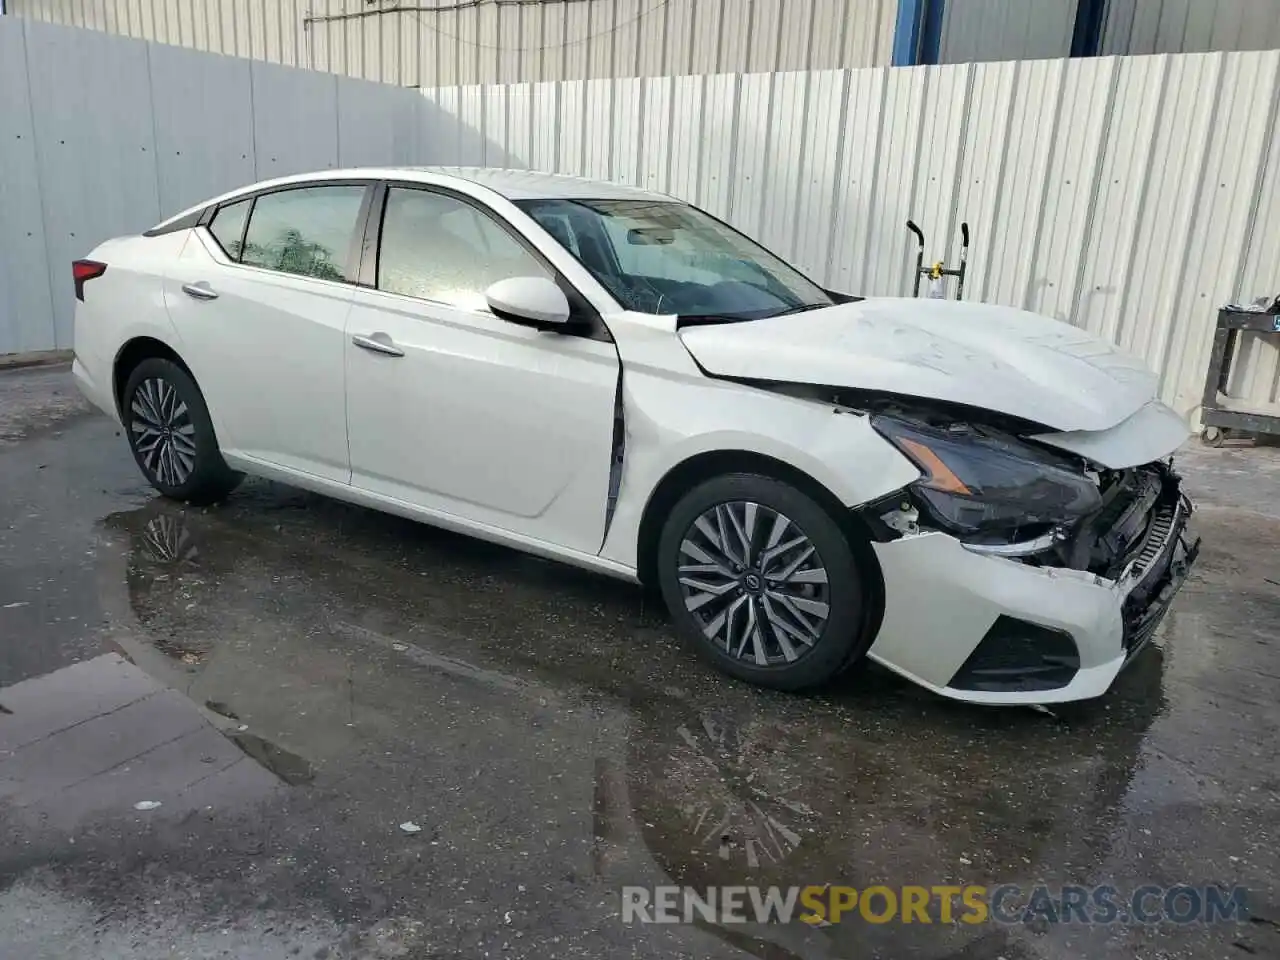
978, 498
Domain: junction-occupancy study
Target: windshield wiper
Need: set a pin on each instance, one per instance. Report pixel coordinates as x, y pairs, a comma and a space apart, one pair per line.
802, 308
698, 319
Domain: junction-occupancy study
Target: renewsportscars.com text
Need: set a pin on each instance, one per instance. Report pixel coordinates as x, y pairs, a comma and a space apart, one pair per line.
1004, 904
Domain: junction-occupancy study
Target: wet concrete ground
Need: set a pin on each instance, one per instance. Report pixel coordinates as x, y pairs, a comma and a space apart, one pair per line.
291, 679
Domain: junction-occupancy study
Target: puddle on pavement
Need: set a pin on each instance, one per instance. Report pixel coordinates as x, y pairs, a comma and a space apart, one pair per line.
289, 767
302, 619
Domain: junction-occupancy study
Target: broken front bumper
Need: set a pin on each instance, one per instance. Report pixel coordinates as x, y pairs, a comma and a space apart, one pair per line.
1158, 573
993, 630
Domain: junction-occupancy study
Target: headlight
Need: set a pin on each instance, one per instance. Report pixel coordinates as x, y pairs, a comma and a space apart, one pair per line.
987, 487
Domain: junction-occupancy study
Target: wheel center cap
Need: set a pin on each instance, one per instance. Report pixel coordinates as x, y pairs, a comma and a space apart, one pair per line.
752, 582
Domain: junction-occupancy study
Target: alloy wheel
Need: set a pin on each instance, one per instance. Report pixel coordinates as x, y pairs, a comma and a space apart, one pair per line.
755, 583
167, 541
162, 431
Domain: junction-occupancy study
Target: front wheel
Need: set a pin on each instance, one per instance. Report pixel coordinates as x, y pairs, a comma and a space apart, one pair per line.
763, 582
171, 434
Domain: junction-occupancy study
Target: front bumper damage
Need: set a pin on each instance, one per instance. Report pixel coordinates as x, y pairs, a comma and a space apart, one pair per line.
989, 629
1158, 572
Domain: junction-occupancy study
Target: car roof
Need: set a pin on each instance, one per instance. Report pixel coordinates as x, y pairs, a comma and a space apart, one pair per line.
511, 184
532, 185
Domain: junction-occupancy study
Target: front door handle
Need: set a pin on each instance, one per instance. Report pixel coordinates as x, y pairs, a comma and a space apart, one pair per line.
377, 343
199, 290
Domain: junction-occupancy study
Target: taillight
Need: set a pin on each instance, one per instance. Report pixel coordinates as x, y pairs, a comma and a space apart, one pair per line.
83, 270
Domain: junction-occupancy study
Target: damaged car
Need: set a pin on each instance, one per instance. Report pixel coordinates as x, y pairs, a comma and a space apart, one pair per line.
980, 499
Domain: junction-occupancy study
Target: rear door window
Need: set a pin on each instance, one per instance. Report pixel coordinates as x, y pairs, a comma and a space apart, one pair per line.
306, 231
227, 227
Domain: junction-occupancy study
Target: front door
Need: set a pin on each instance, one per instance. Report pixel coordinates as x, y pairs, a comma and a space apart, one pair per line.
456, 411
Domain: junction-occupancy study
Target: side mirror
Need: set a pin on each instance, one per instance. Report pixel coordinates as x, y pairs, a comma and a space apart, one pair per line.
529, 301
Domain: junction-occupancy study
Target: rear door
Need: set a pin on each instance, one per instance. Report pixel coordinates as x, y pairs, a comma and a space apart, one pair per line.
260, 298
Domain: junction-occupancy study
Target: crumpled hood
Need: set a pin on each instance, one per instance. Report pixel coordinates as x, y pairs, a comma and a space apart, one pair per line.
994, 358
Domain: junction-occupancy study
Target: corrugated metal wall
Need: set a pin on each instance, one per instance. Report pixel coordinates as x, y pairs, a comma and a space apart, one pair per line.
444, 42
178, 126
492, 42
1130, 196
987, 30
983, 30
1190, 26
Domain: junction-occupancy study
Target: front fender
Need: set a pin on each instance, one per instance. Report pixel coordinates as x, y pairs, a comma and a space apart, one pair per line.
670, 420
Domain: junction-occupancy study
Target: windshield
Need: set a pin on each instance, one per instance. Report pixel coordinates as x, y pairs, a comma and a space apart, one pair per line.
666, 257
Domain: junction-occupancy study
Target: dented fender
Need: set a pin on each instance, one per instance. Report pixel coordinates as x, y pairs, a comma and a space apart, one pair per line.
672, 412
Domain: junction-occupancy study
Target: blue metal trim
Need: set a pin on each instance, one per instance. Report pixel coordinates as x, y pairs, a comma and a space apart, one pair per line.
931, 31
906, 35
1086, 39
917, 35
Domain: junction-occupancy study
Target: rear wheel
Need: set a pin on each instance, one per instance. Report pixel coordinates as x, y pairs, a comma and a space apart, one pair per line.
763, 582
171, 434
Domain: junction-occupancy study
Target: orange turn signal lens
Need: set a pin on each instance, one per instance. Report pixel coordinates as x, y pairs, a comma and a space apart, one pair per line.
941, 477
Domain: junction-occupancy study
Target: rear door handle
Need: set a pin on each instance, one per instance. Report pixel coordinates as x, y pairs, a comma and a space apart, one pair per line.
377, 343
200, 290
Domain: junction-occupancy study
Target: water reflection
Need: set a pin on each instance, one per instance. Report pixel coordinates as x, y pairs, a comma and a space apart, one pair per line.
268, 606
882, 793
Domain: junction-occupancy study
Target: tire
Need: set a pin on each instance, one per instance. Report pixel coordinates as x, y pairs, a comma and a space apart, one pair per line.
820, 648
1213, 436
171, 434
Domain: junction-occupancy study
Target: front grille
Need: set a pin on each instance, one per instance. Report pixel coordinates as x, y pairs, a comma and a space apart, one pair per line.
1156, 572
1139, 539
1161, 529
1164, 522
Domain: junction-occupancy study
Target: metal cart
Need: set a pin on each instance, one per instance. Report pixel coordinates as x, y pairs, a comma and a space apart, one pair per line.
1216, 418
940, 269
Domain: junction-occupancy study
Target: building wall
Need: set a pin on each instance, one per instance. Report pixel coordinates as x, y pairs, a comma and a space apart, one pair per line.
488, 42
1190, 26
986, 30
983, 30
178, 127
1129, 196
442, 42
